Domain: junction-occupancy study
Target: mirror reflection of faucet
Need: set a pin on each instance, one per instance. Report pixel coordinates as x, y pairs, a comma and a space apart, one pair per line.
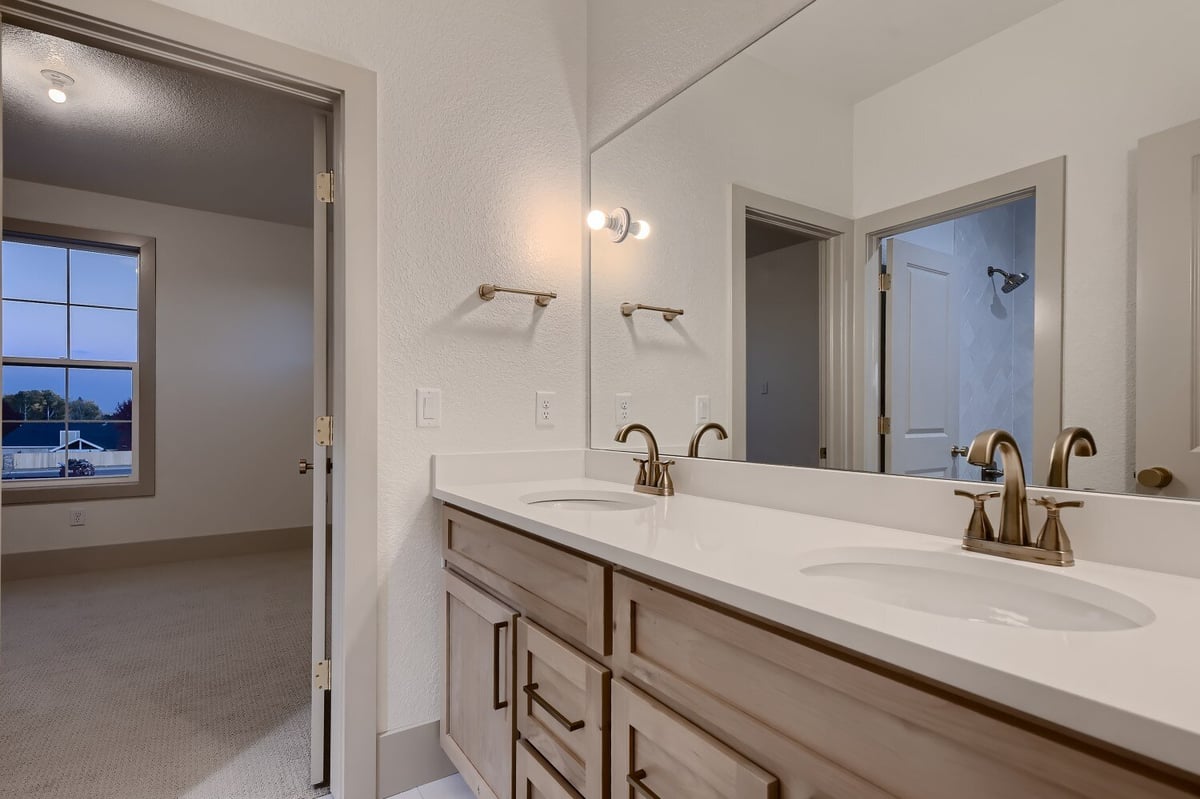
694, 445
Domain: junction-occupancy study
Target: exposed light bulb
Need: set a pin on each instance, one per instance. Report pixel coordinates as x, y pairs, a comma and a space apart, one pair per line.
597, 220
641, 229
59, 81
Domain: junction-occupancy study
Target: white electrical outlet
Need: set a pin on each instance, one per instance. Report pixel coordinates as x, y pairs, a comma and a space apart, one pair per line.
78, 517
545, 409
703, 408
623, 408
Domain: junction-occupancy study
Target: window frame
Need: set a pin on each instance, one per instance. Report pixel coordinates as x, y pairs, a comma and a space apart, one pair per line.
142, 482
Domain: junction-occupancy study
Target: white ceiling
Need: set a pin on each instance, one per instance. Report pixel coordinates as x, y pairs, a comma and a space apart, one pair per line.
849, 50
151, 132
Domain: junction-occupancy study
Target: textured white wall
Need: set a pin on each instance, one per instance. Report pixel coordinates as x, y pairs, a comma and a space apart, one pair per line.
482, 115
234, 382
640, 53
676, 169
1083, 78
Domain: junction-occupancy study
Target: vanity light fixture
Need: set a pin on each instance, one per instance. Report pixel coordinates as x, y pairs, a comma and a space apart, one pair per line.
619, 224
59, 81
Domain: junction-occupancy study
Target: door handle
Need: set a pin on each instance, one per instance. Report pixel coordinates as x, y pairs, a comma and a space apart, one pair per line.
306, 466
496, 703
958, 452
571, 726
1155, 477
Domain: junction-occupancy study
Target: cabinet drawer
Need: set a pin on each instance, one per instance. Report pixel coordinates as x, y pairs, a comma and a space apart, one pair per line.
883, 729
537, 779
566, 593
562, 708
658, 754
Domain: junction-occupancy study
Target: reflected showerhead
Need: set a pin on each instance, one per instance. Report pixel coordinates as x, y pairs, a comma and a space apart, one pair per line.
1011, 281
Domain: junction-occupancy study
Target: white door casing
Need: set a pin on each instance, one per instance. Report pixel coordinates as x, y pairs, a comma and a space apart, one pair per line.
1167, 403
922, 356
319, 711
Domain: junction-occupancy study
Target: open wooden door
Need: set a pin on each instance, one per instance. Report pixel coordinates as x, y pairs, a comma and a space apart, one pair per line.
321, 454
1167, 406
922, 361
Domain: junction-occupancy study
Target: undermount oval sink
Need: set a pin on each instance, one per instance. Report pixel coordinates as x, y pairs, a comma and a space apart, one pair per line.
976, 589
583, 500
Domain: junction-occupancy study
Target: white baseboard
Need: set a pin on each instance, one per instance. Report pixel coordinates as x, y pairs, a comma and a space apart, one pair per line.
411, 757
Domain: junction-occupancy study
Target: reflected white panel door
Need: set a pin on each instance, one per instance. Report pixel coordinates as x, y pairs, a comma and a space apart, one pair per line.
1168, 289
319, 739
922, 360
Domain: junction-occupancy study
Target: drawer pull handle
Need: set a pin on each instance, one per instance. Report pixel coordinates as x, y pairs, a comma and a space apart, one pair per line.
531, 691
635, 782
496, 703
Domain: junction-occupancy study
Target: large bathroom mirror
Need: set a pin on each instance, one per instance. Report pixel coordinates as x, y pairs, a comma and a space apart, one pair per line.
889, 225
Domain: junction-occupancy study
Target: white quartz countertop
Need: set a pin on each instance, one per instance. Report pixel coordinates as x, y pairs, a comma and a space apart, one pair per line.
1135, 688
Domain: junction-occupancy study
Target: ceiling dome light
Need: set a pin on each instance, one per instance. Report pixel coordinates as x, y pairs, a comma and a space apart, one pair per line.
59, 81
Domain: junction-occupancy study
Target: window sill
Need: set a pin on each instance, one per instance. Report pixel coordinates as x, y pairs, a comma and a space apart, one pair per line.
44, 493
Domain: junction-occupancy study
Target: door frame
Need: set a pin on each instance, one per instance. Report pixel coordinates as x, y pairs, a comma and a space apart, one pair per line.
155, 32
1047, 182
835, 267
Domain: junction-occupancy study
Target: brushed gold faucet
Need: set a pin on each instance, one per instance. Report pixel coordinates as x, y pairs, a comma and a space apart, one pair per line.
1072, 440
1014, 540
654, 473
694, 446
1014, 512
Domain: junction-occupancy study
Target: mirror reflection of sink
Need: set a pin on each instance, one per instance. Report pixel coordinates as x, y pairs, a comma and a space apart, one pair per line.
976, 589
584, 500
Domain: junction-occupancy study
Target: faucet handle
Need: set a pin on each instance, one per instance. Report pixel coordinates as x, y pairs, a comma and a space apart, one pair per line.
664, 477
1053, 536
643, 478
980, 526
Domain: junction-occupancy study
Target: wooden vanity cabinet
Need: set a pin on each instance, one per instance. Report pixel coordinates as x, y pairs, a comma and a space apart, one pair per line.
565, 680
477, 714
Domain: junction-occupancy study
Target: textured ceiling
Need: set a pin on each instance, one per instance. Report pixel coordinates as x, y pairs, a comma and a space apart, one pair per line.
852, 49
151, 132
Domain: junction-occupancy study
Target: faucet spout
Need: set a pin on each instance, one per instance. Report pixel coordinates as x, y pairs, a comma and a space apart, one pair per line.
637, 427
1072, 440
694, 446
1014, 509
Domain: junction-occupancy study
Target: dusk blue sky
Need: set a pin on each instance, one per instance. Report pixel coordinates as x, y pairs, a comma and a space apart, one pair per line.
34, 275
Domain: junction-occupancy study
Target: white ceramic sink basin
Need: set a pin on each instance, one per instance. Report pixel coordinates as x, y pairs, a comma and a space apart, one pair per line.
976, 589
584, 500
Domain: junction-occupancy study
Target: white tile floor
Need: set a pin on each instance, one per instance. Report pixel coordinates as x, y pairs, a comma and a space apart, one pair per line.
449, 788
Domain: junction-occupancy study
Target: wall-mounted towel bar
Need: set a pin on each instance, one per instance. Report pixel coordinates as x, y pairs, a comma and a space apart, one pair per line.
627, 309
488, 291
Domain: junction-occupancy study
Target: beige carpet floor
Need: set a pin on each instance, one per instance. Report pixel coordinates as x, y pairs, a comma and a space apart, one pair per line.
185, 680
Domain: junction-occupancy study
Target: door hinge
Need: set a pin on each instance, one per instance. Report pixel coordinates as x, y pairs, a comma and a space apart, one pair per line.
325, 184
885, 425
324, 431
885, 282
321, 679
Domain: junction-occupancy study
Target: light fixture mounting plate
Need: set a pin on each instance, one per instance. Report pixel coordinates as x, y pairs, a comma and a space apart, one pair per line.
619, 224
58, 78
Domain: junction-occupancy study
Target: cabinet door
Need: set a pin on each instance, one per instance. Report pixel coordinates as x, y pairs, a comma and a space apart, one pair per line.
477, 716
655, 753
562, 708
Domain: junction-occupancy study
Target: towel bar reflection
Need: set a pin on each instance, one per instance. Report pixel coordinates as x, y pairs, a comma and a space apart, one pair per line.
627, 309
488, 291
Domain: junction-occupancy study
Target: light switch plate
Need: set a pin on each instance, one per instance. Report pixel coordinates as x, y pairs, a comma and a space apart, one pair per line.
544, 409
703, 408
429, 407
623, 408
